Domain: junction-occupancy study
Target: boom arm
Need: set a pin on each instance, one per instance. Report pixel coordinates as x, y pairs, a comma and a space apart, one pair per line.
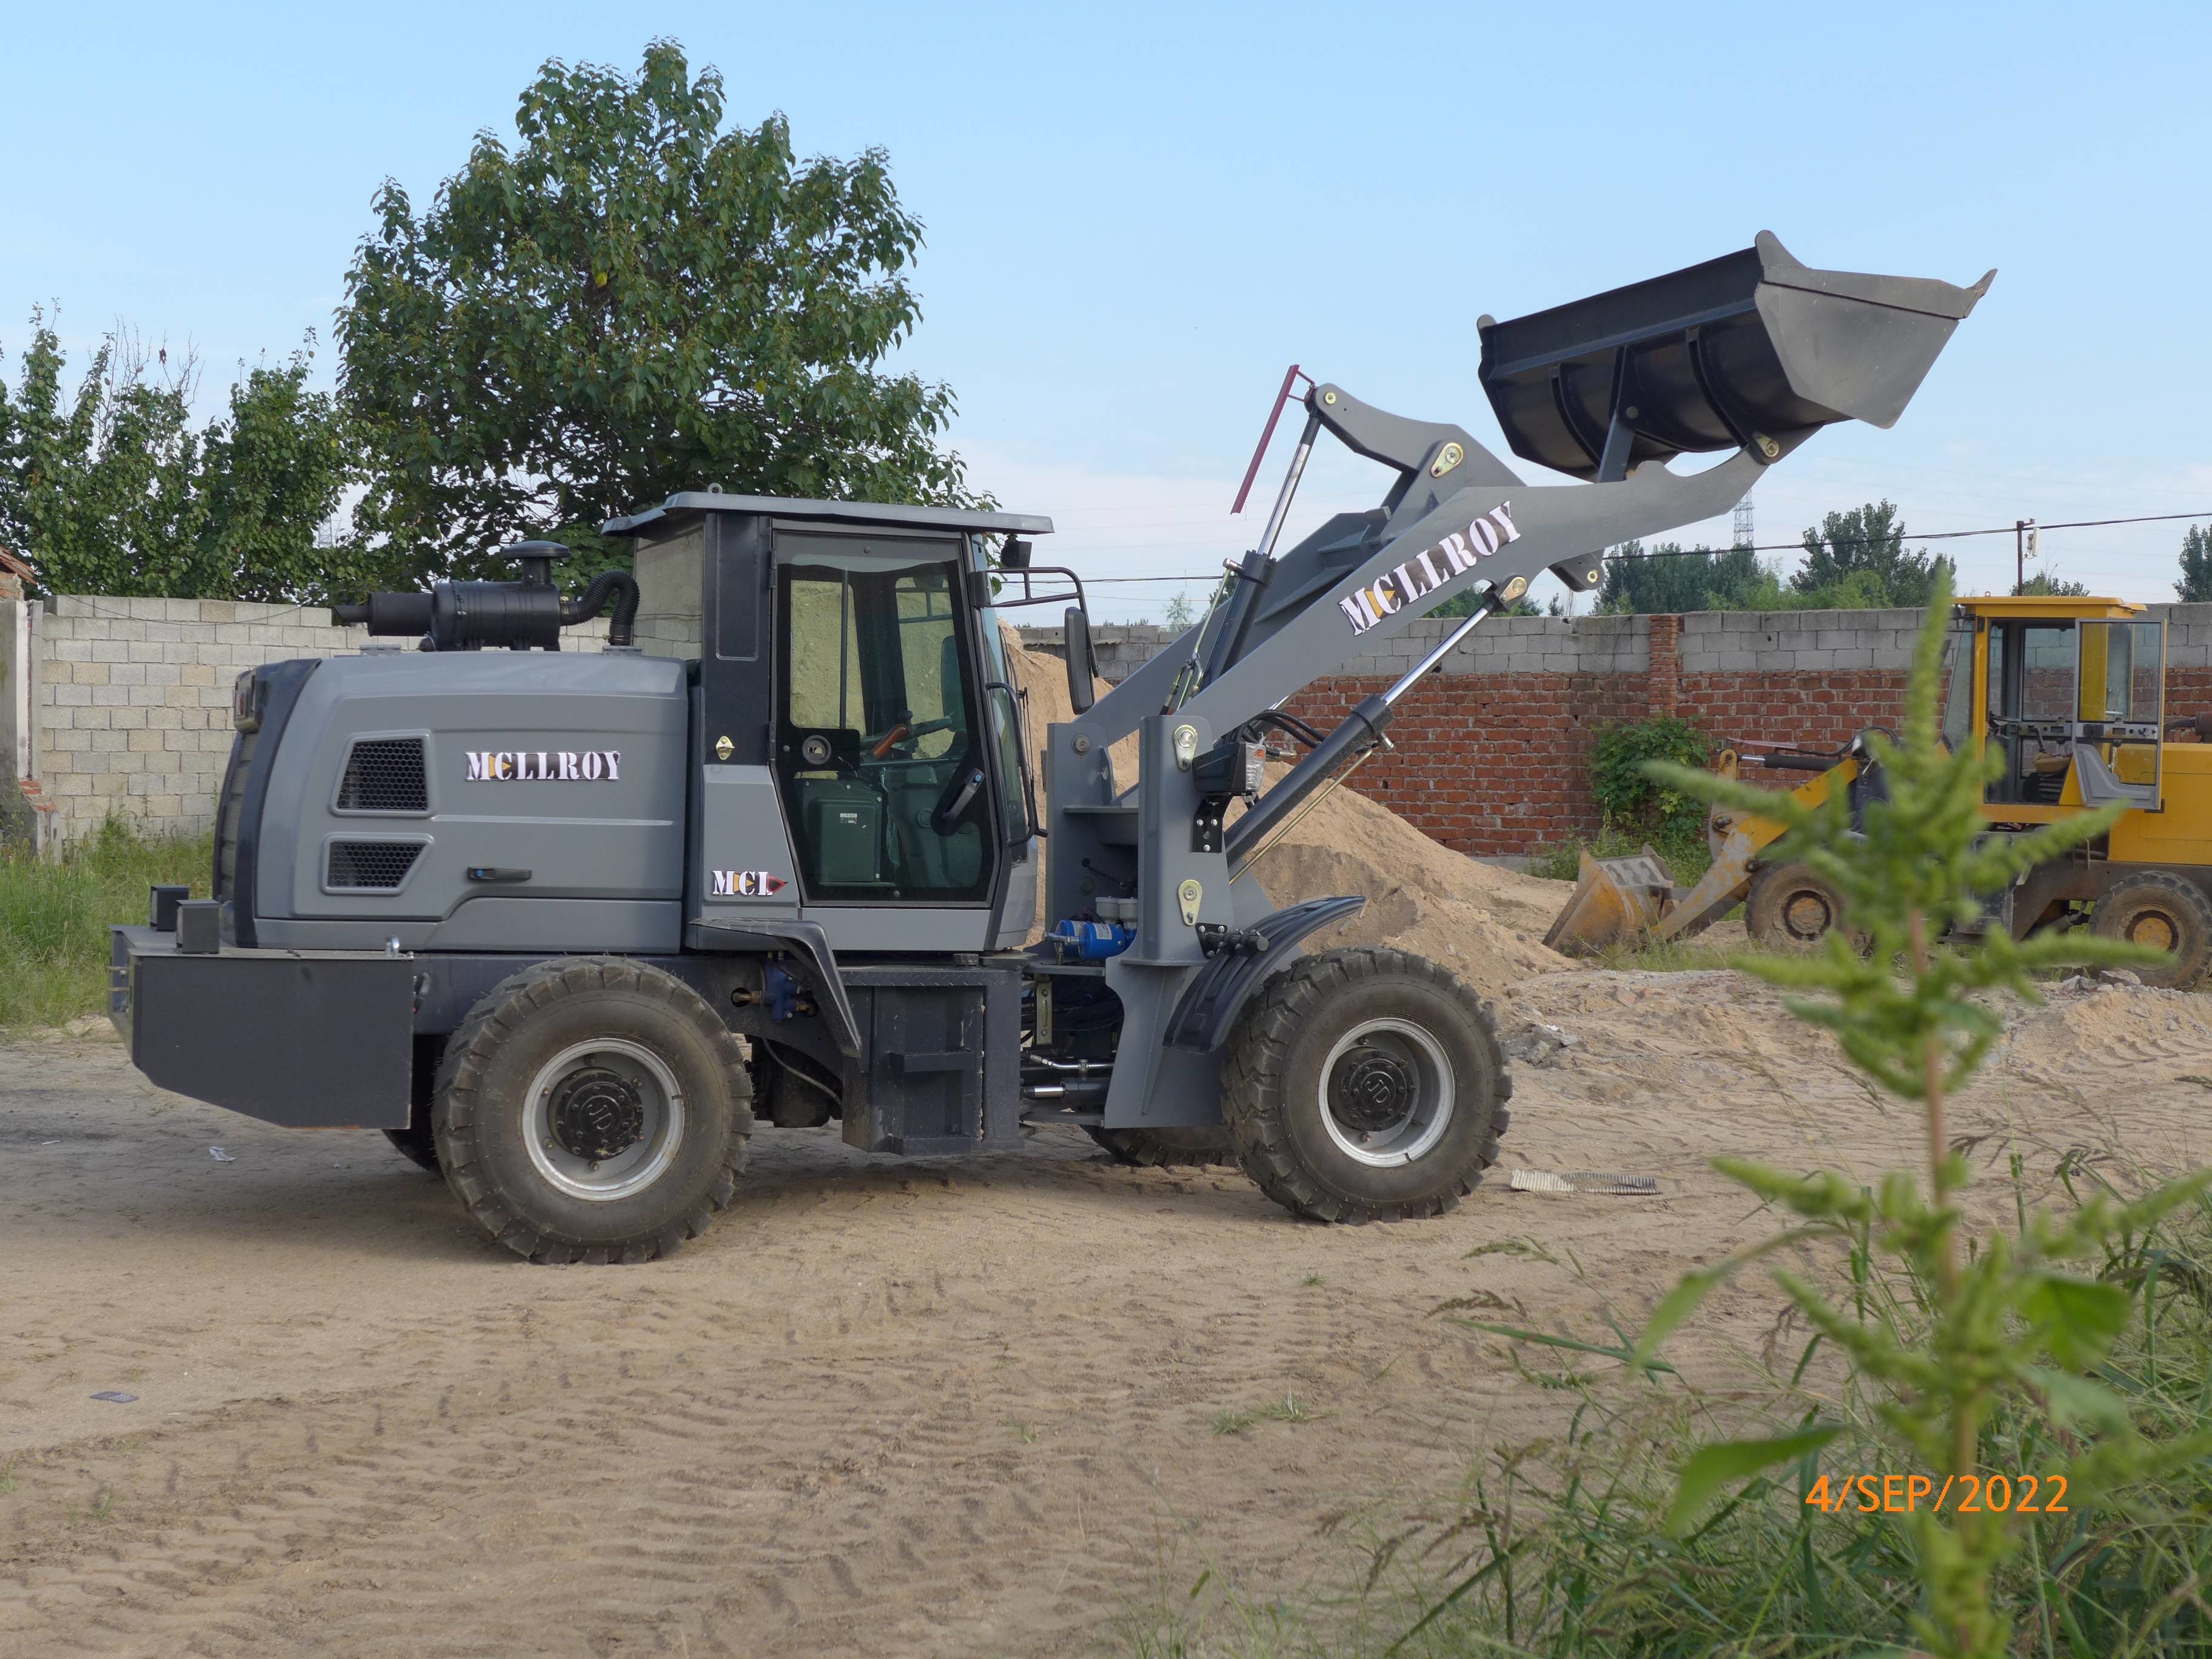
1753, 352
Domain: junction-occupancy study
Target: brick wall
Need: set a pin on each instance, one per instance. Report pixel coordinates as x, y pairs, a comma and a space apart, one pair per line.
1492, 750
128, 700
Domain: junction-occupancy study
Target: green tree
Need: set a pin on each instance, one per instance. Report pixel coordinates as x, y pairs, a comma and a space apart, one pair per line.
629, 302
109, 490
2195, 587
2043, 582
1860, 553
1667, 580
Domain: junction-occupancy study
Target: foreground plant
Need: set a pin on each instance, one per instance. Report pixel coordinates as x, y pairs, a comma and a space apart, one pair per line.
1992, 1323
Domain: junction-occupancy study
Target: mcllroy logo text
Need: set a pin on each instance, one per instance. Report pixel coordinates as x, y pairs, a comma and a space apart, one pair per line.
1430, 570
544, 766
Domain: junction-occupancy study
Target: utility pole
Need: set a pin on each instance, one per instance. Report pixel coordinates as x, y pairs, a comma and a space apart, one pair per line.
2023, 544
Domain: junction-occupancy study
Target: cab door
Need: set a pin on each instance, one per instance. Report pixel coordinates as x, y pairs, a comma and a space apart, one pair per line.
881, 758
2120, 708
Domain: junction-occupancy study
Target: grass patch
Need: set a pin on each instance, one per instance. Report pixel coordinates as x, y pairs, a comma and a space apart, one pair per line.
1685, 851
1698, 954
55, 913
1289, 1409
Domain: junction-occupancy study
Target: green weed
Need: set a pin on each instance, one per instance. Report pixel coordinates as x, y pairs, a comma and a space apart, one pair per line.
1289, 1409
55, 913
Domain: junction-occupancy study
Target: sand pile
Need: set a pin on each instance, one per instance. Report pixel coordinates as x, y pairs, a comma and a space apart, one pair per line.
1488, 924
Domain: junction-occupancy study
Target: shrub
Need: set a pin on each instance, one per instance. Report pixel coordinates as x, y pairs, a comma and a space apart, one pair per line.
1629, 797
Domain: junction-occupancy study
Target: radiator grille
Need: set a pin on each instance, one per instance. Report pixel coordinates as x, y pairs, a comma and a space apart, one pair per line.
375, 864
385, 774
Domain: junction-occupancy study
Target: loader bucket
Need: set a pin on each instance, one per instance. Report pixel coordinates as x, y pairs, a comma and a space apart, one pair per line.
1615, 902
1751, 351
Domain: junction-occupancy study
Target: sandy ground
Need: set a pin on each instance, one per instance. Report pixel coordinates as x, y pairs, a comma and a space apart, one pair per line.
900, 1408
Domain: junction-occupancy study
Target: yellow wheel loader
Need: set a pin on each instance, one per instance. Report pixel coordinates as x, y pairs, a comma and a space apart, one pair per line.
2073, 692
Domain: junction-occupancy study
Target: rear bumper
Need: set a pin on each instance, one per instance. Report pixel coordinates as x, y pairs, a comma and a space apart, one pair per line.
309, 1039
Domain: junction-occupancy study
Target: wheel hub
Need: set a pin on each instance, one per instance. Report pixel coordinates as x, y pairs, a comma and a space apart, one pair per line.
1806, 915
2157, 932
1371, 1091
596, 1113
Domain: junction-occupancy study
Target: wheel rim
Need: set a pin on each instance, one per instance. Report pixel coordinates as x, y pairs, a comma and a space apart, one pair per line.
1386, 1092
2155, 929
1805, 914
603, 1119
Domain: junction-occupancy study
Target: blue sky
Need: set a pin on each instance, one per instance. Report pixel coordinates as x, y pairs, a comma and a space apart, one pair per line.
1137, 216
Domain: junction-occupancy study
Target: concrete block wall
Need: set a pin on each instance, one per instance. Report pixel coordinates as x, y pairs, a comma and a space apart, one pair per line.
129, 701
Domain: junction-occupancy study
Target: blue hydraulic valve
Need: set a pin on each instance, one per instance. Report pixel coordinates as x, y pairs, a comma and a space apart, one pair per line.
1092, 941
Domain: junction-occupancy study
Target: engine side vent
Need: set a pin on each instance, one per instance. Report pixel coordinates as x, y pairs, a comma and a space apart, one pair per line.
385, 774
372, 866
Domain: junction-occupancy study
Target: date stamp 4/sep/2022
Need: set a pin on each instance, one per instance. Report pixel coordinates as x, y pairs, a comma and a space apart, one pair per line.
1961, 1494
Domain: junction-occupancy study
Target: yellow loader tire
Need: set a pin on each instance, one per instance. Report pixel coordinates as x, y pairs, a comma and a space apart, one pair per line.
1791, 908
2167, 912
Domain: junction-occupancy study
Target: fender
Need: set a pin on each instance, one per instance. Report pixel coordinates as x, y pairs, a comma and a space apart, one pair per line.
1208, 1010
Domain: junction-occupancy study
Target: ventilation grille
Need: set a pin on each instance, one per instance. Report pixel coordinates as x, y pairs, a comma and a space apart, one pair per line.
381, 865
385, 774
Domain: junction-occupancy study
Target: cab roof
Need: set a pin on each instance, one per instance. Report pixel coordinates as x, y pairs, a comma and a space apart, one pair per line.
789, 507
2050, 607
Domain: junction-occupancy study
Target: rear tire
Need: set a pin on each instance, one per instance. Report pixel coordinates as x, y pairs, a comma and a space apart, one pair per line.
1366, 1084
593, 1109
2167, 912
1792, 908
1167, 1149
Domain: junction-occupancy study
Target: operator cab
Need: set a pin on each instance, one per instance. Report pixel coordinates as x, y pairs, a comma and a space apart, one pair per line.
2073, 692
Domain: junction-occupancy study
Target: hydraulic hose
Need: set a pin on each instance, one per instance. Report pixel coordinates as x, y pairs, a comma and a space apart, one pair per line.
618, 585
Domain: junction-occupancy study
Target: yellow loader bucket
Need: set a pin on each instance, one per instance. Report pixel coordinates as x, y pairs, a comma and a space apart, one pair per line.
1615, 902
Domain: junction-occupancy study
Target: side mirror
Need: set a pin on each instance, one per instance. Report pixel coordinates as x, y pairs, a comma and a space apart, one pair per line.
1082, 671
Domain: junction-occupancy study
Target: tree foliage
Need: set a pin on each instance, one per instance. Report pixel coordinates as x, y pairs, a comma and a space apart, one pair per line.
1854, 561
1667, 580
109, 490
2195, 587
2043, 583
627, 302
1862, 552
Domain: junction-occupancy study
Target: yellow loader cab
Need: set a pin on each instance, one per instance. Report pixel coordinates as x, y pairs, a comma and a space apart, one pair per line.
2073, 692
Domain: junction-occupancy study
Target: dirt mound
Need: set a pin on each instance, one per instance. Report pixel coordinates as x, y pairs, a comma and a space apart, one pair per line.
1486, 922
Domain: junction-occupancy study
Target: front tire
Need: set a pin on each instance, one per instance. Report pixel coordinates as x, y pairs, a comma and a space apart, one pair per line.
1792, 907
2165, 912
593, 1109
1366, 1084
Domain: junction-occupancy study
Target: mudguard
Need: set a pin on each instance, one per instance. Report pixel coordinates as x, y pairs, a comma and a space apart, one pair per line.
1209, 1008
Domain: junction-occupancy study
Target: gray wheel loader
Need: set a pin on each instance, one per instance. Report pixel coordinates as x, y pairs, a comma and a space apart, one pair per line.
571, 925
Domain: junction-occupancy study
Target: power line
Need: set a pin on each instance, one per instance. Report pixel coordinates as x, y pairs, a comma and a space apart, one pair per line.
1784, 547
1930, 535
